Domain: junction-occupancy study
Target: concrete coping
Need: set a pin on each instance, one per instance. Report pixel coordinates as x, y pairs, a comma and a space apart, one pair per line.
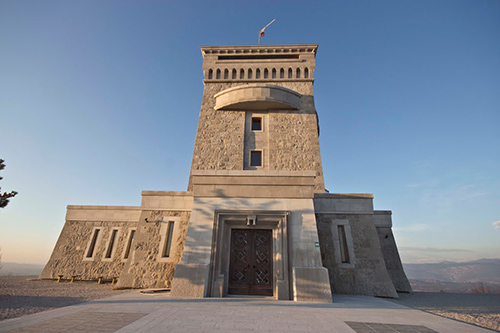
104, 207
167, 193
246, 173
310, 79
343, 195
382, 218
382, 212
256, 49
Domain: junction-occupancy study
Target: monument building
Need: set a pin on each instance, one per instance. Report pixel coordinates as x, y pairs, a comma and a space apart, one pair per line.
255, 219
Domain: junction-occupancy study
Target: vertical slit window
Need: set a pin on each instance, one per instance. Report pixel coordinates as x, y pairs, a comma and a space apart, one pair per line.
282, 73
242, 74
266, 73
257, 73
306, 73
168, 242
250, 73
290, 73
234, 74
210, 74
111, 244
344, 253
226, 74
298, 74
273, 75
90, 252
217, 75
129, 244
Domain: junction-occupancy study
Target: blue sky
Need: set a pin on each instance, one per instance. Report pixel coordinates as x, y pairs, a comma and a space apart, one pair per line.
100, 100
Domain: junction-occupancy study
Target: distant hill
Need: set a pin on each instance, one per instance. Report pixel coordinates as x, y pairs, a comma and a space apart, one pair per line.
12, 268
481, 275
454, 287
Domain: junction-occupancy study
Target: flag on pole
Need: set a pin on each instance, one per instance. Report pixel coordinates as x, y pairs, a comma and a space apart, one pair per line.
261, 32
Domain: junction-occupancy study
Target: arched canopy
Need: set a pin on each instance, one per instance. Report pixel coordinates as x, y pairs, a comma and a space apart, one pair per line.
257, 97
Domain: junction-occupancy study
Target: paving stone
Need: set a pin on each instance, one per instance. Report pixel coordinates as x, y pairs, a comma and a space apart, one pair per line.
363, 327
167, 314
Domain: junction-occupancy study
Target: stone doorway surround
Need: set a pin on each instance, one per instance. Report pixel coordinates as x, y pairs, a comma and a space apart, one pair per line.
288, 194
225, 221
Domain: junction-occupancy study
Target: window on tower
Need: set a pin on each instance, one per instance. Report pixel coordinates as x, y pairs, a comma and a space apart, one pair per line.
256, 124
256, 158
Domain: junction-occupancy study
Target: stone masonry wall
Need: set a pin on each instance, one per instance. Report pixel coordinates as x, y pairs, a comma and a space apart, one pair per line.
68, 255
293, 143
367, 274
219, 141
143, 268
392, 260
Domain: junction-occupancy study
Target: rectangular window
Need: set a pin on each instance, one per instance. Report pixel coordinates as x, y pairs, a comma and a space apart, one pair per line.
256, 124
256, 158
112, 240
168, 242
129, 244
90, 252
344, 253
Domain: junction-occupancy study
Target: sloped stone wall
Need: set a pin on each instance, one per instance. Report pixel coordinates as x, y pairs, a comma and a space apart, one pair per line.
142, 269
67, 259
366, 274
392, 260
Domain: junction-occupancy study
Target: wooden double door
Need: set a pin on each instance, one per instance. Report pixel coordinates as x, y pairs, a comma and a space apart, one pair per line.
251, 262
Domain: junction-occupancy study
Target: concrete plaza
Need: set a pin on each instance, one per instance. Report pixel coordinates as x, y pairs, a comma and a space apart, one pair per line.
136, 312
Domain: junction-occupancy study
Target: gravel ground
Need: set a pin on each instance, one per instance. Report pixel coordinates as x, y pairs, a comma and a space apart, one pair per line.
22, 295
478, 309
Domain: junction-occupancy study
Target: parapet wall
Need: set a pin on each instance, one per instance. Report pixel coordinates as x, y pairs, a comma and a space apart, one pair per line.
258, 63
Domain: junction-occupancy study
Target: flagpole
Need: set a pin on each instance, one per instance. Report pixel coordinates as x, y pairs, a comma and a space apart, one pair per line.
261, 32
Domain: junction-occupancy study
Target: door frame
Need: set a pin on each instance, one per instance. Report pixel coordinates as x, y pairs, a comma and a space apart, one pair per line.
224, 222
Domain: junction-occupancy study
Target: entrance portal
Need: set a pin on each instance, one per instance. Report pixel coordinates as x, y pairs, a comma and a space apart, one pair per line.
251, 263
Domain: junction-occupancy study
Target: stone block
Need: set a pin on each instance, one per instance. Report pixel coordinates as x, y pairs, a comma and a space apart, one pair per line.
190, 280
311, 284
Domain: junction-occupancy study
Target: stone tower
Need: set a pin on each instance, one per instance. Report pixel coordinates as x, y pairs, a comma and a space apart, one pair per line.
258, 100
